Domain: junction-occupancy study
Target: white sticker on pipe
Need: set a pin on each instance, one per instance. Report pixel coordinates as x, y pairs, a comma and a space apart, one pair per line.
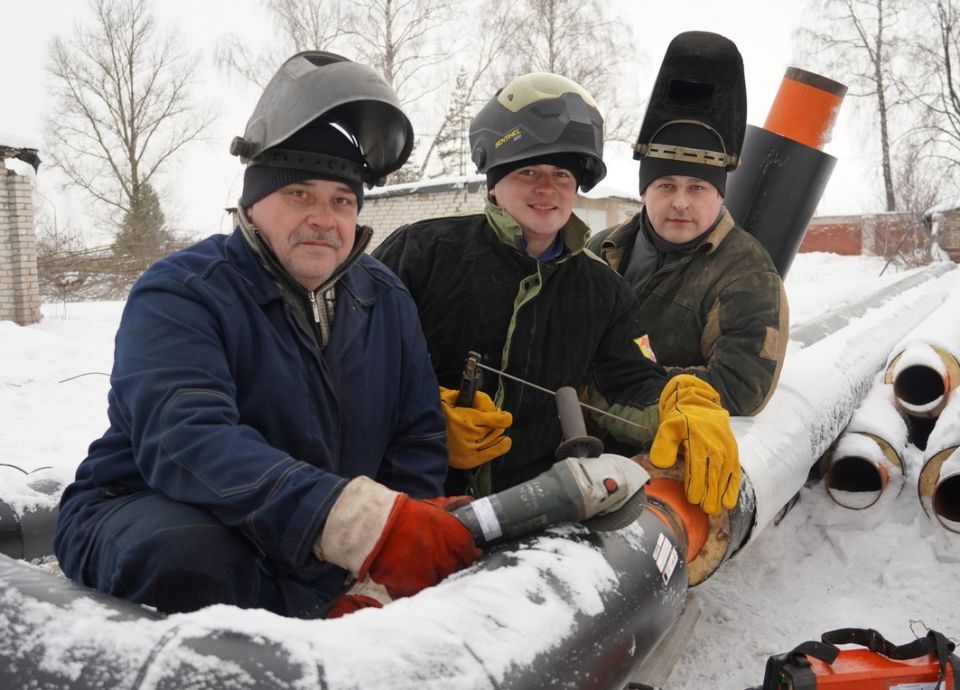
487, 517
666, 557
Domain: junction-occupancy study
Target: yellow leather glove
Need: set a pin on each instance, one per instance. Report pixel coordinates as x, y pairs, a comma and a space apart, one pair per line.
475, 435
693, 422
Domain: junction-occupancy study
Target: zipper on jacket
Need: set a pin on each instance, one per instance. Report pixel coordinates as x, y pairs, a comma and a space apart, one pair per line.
312, 296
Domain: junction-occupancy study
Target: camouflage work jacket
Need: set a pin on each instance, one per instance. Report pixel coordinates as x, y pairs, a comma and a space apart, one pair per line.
719, 312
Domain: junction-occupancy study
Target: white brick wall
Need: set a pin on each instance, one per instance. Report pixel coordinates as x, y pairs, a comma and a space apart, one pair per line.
19, 281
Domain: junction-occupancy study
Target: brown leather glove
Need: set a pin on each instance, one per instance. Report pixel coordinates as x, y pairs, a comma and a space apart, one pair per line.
475, 435
694, 424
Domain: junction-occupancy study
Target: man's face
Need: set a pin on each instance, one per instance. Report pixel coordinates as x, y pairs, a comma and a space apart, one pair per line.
540, 198
310, 226
680, 207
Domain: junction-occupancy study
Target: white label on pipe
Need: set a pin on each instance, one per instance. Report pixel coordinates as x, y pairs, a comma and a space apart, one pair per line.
666, 557
917, 686
487, 517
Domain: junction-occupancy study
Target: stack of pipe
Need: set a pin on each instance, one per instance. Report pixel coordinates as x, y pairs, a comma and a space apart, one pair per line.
915, 401
924, 370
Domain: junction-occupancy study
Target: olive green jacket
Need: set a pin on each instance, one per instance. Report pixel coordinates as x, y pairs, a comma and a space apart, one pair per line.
719, 312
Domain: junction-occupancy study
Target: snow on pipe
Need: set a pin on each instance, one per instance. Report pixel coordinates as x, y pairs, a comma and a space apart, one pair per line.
817, 328
28, 511
938, 485
868, 456
924, 368
570, 608
774, 193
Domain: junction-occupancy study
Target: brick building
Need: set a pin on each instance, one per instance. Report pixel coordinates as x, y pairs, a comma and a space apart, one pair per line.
387, 208
945, 226
883, 234
19, 281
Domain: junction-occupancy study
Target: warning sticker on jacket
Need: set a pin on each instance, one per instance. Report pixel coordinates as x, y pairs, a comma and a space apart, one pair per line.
666, 557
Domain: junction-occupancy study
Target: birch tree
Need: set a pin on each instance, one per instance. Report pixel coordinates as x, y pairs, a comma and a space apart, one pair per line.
855, 39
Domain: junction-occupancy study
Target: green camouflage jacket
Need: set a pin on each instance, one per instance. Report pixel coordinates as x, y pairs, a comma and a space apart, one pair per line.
719, 312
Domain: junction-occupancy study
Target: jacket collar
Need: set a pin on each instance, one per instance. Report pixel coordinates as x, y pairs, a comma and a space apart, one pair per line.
623, 235
282, 278
574, 232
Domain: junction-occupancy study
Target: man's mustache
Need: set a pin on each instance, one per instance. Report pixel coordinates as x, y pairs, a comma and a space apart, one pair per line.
331, 237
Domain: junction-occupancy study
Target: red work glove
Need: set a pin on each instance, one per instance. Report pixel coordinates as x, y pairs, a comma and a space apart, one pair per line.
362, 595
420, 546
400, 543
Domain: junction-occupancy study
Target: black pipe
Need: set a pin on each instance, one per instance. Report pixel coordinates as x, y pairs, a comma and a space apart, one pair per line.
48, 641
29, 534
775, 191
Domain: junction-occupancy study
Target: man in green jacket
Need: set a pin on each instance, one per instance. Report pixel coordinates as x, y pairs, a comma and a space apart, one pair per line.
711, 300
514, 284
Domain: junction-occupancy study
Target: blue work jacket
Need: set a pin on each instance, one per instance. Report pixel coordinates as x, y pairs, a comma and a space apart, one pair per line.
219, 399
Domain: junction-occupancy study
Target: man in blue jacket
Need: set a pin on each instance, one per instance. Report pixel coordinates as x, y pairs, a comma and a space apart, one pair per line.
273, 411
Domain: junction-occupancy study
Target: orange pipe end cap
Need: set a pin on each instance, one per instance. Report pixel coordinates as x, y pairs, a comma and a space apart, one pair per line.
805, 107
670, 492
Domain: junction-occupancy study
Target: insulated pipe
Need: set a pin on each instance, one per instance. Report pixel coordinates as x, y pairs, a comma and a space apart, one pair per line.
925, 366
923, 378
774, 193
861, 467
817, 328
570, 608
868, 456
938, 486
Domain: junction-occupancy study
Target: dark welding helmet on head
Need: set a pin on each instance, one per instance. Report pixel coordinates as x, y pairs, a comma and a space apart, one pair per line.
540, 117
697, 115
316, 85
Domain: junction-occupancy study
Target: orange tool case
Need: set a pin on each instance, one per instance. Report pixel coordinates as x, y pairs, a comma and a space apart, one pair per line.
924, 664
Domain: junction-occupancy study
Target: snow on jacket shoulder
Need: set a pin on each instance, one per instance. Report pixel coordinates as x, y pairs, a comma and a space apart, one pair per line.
220, 400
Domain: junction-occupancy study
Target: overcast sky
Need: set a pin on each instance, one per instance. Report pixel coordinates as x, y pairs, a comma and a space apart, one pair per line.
207, 178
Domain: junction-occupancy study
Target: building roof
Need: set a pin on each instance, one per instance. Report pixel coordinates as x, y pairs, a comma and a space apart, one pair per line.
473, 183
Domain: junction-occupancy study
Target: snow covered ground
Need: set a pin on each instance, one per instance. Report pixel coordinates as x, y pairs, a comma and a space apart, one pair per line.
821, 567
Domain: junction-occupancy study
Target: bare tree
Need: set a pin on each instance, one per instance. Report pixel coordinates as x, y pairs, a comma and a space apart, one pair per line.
302, 25
936, 51
397, 38
581, 41
855, 40
471, 87
921, 184
123, 106
451, 143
